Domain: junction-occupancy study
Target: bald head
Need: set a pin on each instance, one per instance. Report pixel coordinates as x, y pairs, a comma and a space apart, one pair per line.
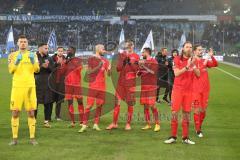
100, 49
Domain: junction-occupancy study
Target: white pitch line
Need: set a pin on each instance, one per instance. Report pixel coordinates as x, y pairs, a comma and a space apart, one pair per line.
236, 77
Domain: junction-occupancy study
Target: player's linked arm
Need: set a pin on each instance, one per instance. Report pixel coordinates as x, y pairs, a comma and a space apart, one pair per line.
177, 70
148, 69
91, 70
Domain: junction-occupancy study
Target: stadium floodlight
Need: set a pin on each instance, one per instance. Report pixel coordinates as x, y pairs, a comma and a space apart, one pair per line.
29, 14
227, 8
120, 6
15, 9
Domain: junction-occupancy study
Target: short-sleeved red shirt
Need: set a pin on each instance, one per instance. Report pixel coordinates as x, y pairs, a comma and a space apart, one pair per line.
183, 82
97, 78
149, 80
73, 68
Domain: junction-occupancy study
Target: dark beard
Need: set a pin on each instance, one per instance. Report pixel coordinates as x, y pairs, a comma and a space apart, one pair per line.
70, 55
186, 54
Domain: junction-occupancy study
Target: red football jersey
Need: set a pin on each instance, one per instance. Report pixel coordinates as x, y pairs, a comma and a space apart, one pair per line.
149, 80
201, 84
73, 69
128, 71
97, 78
184, 81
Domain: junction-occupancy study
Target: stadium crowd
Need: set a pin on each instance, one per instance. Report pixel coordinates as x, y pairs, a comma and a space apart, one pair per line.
85, 35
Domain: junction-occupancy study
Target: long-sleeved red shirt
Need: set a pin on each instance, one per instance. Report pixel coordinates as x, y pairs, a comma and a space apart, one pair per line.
202, 84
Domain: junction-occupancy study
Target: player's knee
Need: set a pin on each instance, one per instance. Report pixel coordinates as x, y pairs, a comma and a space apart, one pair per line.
89, 106
70, 102
99, 105
146, 107
186, 115
31, 114
174, 115
80, 101
130, 103
117, 102
15, 114
197, 110
203, 110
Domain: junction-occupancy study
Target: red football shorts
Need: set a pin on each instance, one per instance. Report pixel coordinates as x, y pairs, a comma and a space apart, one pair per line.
148, 97
200, 99
95, 94
125, 93
72, 91
181, 99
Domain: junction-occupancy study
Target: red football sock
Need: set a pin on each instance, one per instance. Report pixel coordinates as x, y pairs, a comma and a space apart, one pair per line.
98, 114
174, 126
155, 115
80, 112
202, 117
130, 114
147, 115
196, 117
116, 114
185, 126
86, 115
71, 112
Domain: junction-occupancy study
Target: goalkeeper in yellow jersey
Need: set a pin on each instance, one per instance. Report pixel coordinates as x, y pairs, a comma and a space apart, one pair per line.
22, 64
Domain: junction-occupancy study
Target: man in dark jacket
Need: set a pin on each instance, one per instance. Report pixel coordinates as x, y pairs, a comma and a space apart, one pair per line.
44, 93
171, 75
161, 58
57, 80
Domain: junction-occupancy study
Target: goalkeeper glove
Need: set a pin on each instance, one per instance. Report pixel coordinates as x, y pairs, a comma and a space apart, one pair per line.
19, 58
31, 56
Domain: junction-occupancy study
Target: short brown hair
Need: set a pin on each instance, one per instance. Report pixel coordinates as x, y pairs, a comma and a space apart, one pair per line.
196, 46
163, 48
186, 43
60, 47
22, 36
130, 43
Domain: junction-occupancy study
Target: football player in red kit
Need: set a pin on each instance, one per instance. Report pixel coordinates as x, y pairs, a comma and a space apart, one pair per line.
148, 72
127, 66
97, 67
73, 68
184, 70
201, 87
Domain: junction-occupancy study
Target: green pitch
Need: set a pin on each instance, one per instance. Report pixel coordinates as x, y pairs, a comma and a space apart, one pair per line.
221, 130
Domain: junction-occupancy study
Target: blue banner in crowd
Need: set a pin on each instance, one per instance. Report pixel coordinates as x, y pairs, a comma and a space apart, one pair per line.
50, 18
